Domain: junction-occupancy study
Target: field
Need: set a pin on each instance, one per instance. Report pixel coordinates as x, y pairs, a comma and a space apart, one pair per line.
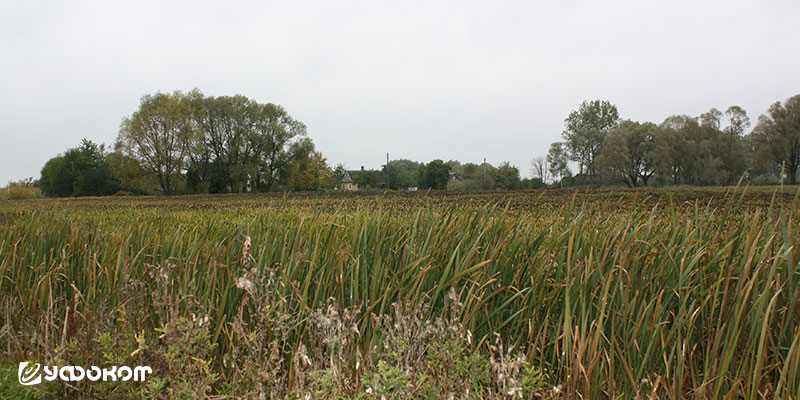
661, 293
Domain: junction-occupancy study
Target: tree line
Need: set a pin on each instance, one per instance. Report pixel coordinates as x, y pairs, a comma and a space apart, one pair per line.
406, 174
714, 148
192, 143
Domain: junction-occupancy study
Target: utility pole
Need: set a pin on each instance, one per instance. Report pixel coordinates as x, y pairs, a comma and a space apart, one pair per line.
385, 174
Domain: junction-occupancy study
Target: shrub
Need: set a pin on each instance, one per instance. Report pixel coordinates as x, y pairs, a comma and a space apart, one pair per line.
24, 189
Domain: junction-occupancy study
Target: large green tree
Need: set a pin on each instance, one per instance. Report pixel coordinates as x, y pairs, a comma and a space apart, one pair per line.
507, 176
777, 137
58, 178
628, 152
401, 174
248, 146
707, 150
276, 139
224, 151
80, 171
434, 175
585, 130
685, 149
162, 135
223, 144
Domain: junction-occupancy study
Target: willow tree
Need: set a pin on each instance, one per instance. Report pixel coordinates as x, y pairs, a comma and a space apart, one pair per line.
162, 135
276, 139
585, 130
225, 151
628, 152
777, 137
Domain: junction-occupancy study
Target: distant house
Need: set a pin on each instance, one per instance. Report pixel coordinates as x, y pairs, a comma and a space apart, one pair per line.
371, 179
348, 182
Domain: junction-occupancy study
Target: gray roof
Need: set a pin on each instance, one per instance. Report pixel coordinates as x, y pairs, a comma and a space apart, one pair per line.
346, 178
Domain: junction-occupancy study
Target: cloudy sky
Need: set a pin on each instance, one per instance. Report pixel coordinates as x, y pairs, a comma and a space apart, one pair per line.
421, 80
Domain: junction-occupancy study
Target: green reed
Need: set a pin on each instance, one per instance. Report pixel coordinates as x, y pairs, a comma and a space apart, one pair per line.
680, 300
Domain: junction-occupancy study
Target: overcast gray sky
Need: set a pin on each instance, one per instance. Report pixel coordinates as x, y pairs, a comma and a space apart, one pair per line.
421, 80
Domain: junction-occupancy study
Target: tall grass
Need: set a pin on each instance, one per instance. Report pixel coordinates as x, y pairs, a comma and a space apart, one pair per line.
675, 301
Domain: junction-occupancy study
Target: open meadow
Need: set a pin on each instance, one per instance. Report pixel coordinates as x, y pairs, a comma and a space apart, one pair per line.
656, 293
